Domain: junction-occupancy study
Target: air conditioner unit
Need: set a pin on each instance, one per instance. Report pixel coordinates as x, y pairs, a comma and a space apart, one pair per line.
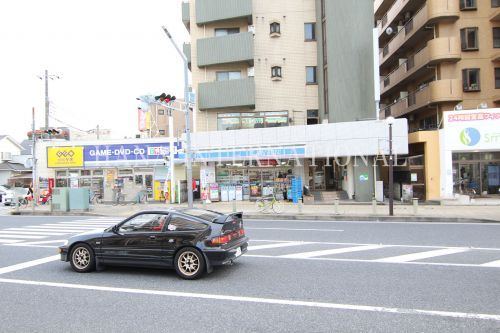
403, 94
6, 156
251, 71
402, 61
251, 29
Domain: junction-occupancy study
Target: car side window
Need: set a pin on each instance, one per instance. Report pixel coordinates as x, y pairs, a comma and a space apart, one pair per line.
144, 223
179, 223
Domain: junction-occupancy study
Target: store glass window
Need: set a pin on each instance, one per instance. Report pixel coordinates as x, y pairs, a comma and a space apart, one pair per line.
85, 172
228, 75
276, 119
97, 172
125, 171
252, 122
226, 31
61, 173
234, 121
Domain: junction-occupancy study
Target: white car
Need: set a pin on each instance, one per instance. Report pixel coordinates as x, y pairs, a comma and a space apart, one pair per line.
7, 195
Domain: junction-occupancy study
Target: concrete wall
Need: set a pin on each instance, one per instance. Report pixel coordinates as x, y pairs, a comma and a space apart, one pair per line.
432, 161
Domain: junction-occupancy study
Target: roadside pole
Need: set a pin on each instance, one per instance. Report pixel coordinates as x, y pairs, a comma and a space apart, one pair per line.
171, 152
33, 156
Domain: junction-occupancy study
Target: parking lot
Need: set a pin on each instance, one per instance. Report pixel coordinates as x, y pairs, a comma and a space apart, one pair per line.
298, 276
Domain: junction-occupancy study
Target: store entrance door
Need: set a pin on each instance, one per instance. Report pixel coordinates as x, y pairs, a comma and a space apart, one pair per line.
467, 178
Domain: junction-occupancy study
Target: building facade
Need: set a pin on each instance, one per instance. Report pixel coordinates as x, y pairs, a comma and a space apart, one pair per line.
435, 56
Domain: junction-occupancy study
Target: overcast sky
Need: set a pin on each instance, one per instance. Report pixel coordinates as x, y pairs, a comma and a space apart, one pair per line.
106, 52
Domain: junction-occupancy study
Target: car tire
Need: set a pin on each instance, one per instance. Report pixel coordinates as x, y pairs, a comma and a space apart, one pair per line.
189, 263
82, 258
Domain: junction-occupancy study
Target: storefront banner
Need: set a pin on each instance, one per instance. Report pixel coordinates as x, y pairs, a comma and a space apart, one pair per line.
117, 154
248, 154
64, 157
472, 130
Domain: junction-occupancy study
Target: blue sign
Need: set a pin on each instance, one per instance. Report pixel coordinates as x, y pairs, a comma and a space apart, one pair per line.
129, 152
296, 189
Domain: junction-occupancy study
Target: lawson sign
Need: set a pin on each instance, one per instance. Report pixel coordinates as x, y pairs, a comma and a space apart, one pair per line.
128, 154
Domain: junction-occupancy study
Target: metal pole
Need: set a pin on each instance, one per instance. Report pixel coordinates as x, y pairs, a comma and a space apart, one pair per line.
172, 164
189, 166
46, 99
391, 174
33, 156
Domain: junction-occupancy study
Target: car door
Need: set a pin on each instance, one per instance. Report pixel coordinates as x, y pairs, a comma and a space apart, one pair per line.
139, 241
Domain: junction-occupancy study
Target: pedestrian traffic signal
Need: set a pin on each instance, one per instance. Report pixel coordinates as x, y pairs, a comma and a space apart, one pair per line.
51, 131
165, 98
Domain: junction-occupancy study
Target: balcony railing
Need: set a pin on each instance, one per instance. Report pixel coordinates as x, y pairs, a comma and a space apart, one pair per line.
433, 10
391, 14
226, 94
436, 50
435, 92
226, 49
209, 11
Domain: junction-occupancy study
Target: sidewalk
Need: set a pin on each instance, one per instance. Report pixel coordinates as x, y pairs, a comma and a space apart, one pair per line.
346, 211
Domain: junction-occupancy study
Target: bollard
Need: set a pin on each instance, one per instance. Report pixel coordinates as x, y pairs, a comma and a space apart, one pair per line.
299, 206
374, 206
234, 205
336, 206
415, 206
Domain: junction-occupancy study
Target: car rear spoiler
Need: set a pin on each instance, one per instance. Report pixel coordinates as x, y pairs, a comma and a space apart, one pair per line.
226, 217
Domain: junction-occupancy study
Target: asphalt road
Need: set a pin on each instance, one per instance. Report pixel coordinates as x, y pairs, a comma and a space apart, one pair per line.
298, 276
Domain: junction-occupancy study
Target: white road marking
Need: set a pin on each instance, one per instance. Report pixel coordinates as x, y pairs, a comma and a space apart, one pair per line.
54, 228
423, 255
28, 264
259, 300
64, 231
25, 232
23, 236
40, 244
78, 226
305, 255
99, 223
293, 229
273, 246
381, 222
495, 263
9, 241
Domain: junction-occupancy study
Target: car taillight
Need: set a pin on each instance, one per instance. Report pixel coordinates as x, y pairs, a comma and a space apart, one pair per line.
224, 239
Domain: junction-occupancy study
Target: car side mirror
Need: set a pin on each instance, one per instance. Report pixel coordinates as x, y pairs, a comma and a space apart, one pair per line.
115, 229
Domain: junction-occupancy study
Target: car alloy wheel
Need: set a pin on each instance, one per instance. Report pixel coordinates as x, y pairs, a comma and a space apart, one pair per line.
190, 263
82, 258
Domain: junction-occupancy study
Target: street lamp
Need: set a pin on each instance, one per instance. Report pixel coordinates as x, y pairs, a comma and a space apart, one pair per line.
390, 121
189, 165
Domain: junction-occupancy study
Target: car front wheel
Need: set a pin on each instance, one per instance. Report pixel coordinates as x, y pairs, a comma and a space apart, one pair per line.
82, 258
189, 263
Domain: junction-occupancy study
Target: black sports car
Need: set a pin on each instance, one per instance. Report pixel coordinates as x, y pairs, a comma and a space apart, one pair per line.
192, 241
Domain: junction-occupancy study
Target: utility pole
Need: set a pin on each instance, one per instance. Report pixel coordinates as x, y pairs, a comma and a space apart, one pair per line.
46, 99
33, 156
97, 132
189, 165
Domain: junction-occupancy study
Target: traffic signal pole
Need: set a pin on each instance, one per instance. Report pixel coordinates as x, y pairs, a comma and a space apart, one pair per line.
189, 165
46, 99
34, 183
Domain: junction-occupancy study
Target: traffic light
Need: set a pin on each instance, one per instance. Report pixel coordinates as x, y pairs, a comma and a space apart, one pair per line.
165, 98
51, 131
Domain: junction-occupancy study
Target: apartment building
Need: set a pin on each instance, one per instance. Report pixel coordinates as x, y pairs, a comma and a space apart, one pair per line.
259, 65
435, 56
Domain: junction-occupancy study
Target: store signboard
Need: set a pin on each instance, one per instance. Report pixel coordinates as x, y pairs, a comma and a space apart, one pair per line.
132, 153
64, 157
249, 154
472, 130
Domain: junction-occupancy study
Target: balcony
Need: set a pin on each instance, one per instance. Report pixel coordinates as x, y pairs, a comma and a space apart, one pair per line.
381, 6
225, 49
495, 17
226, 94
437, 50
432, 11
209, 11
398, 14
186, 14
435, 92
186, 49
495, 57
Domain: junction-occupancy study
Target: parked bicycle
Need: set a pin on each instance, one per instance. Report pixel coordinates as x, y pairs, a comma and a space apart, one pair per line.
96, 198
119, 199
269, 203
23, 202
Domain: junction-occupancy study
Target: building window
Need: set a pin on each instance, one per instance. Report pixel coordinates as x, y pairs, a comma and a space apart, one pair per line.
469, 38
312, 117
495, 3
496, 37
235, 121
224, 76
468, 5
226, 31
309, 31
429, 123
161, 132
161, 112
470, 78
497, 78
276, 72
311, 75
274, 29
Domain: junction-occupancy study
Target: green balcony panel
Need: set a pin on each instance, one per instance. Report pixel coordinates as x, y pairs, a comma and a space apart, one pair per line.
226, 94
186, 49
186, 18
208, 11
225, 49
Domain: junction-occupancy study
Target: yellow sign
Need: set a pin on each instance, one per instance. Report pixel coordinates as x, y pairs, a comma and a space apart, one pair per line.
63, 157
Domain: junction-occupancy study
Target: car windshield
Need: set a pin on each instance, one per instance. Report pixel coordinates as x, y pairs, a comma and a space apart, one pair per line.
206, 215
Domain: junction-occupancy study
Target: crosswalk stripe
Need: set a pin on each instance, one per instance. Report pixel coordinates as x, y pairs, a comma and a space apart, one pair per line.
42, 230
85, 222
9, 241
57, 229
495, 263
422, 255
332, 251
73, 226
32, 233
273, 246
23, 236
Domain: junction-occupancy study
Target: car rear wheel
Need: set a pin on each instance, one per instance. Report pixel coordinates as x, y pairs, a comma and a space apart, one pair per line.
189, 263
82, 258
